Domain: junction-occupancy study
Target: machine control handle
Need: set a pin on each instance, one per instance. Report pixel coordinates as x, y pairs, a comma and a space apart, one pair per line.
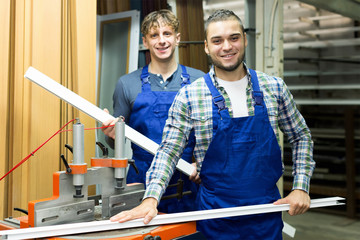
104, 149
132, 163
68, 169
21, 210
69, 147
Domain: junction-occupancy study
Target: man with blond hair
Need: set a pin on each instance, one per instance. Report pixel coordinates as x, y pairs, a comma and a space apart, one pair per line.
144, 97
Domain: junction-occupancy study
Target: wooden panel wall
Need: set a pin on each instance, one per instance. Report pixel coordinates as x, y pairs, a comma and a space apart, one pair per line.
191, 16
112, 6
5, 15
58, 38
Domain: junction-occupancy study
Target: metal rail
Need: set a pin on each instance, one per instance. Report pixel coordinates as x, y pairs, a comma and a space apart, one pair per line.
74, 228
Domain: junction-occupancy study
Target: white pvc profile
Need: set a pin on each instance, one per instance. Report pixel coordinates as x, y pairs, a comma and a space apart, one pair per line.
289, 230
75, 228
319, 73
324, 86
311, 19
316, 101
98, 114
322, 44
134, 15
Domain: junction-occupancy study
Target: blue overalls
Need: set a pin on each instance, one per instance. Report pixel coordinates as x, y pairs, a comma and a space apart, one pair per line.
148, 117
241, 167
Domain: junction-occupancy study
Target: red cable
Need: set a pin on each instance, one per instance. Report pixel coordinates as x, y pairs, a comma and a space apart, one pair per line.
32, 153
69, 130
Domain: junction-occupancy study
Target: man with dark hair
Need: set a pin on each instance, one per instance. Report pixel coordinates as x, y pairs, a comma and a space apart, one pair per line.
144, 96
236, 114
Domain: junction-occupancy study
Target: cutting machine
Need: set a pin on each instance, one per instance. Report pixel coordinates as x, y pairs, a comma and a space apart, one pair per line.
71, 202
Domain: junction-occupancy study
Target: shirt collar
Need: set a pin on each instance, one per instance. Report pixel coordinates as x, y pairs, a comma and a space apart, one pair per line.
171, 77
215, 82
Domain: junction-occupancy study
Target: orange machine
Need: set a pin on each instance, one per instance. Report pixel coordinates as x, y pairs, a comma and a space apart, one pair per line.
62, 207
71, 202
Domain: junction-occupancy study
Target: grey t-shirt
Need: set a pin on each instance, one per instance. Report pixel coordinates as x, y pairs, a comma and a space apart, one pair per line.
129, 86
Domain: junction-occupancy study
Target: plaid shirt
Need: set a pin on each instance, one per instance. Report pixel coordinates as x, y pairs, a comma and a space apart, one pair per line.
192, 109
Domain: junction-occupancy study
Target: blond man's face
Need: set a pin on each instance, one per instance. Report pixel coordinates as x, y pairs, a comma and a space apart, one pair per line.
161, 42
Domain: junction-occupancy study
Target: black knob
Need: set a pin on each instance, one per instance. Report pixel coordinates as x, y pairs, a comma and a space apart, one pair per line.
103, 149
69, 147
68, 169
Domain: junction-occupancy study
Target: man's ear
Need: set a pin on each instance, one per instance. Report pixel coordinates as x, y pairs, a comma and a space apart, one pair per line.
206, 47
245, 39
178, 35
145, 43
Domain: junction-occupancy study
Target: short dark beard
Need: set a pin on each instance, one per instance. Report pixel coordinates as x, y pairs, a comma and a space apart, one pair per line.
229, 68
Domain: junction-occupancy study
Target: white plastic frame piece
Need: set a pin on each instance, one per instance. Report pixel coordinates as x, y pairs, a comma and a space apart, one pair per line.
98, 114
74, 228
289, 230
134, 15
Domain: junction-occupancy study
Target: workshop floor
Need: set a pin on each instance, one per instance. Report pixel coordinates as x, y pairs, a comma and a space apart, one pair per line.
317, 226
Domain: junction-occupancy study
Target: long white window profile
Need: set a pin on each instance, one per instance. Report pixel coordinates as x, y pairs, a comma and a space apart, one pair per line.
75, 228
98, 114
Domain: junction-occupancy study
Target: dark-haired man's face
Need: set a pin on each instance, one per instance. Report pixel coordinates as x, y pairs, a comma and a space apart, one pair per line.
225, 44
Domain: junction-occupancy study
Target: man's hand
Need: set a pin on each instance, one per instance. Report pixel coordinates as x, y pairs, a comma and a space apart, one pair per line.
147, 210
195, 175
109, 131
299, 202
